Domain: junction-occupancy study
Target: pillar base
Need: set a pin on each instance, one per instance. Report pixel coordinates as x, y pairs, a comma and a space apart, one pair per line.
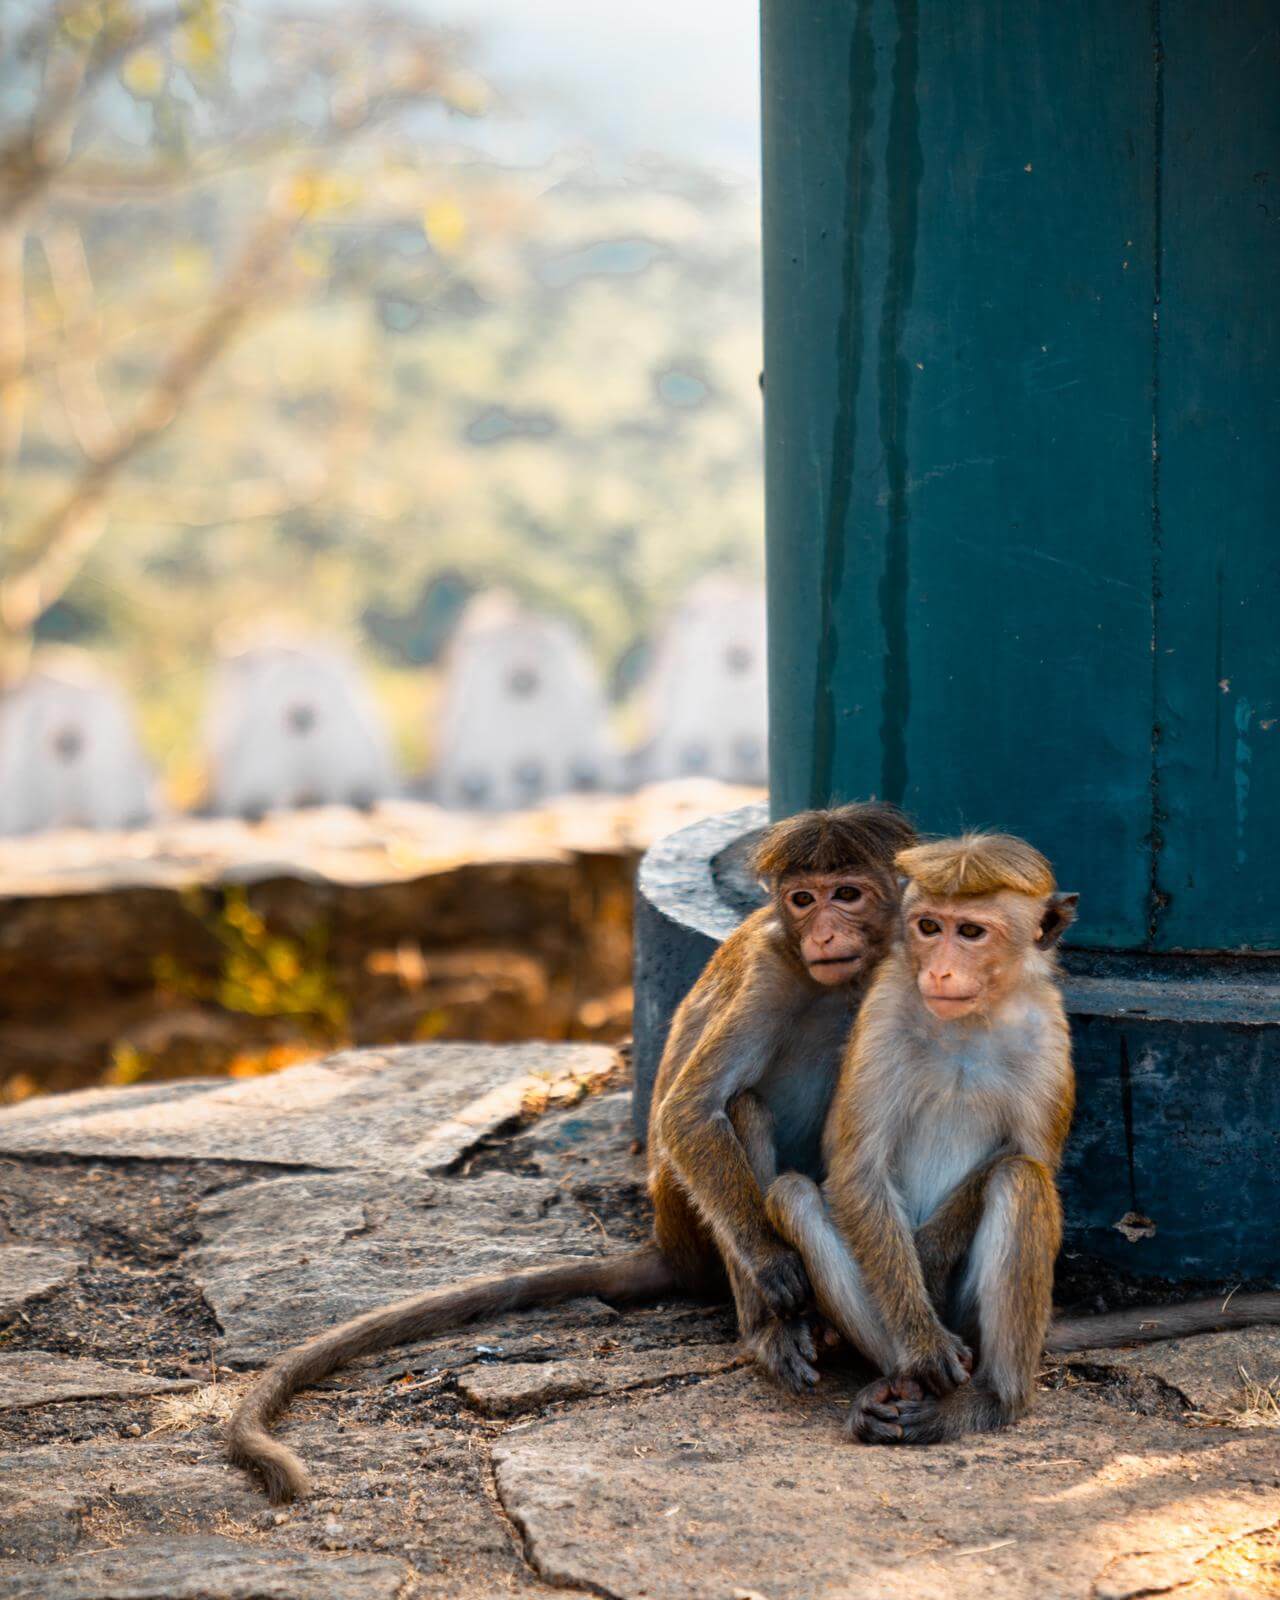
1172, 1171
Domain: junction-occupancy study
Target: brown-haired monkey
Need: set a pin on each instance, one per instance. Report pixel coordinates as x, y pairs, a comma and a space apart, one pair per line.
751, 1061
747, 1073
941, 1220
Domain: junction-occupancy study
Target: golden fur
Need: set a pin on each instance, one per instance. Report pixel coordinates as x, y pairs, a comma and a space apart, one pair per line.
976, 864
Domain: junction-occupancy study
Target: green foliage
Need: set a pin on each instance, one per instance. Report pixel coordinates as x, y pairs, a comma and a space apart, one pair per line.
262, 973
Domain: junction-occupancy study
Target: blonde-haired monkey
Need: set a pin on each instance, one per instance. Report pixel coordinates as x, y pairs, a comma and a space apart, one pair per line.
931, 1246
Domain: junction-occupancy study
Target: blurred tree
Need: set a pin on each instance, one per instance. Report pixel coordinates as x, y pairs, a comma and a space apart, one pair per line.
231, 137
417, 637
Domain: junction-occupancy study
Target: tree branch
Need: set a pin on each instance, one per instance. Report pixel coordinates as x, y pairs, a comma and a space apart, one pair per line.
13, 349
64, 535
72, 282
31, 158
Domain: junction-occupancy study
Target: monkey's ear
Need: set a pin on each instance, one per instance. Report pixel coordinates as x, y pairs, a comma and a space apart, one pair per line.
1059, 914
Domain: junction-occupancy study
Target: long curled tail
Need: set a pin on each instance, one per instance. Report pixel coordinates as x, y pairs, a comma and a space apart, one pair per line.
1144, 1324
639, 1275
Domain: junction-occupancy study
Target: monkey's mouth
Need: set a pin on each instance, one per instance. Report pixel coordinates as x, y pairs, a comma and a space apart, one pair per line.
951, 999
834, 961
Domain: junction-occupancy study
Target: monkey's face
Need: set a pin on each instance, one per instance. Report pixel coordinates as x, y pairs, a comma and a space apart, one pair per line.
838, 923
969, 954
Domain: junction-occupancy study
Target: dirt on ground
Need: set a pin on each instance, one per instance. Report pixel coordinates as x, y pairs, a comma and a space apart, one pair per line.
567, 1451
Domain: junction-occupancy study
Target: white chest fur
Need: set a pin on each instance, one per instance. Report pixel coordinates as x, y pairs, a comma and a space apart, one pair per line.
956, 1117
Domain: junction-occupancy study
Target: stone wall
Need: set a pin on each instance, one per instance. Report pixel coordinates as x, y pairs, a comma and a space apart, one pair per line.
214, 946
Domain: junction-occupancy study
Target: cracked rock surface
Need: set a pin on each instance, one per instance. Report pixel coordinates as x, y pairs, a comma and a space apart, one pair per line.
362, 1108
36, 1378
27, 1271
155, 1243
728, 1486
198, 1568
281, 1260
1208, 1373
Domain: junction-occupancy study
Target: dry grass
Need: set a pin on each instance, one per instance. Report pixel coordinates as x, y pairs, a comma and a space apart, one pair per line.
103, 1527
180, 1413
1253, 1405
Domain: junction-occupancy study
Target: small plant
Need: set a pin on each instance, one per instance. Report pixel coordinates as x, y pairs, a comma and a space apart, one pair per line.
263, 974
128, 1065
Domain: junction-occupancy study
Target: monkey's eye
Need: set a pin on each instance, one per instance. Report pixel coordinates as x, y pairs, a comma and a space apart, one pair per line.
971, 930
848, 892
801, 898
929, 927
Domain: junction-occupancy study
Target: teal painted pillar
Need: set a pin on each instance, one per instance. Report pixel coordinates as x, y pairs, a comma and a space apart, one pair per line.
1022, 363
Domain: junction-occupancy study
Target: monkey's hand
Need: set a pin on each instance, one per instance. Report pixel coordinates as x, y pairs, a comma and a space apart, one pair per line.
786, 1351
940, 1362
780, 1279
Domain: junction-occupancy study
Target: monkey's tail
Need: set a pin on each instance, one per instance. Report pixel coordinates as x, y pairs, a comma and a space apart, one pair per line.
639, 1275
1146, 1323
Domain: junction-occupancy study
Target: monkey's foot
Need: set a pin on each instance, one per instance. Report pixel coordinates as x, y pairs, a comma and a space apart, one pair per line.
786, 1351
899, 1411
875, 1417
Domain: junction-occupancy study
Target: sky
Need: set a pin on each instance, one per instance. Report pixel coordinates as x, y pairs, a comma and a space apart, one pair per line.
675, 77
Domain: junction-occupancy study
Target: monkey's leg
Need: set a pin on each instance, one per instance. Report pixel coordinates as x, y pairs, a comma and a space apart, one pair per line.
945, 1239
784, 1347
1006, 1295
682, 1236
703, 1148
942, 1243
795, 1207
753, 1123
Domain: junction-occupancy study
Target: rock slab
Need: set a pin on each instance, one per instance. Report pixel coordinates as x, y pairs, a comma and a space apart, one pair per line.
726, 1487
506, 1388
282, 1259
50, 1494
1211, 1371
208, 1569
38, 1377
423, 1105
28, 1270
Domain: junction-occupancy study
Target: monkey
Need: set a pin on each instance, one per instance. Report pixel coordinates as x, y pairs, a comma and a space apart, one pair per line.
743, 1087
931, 1245
746, 1079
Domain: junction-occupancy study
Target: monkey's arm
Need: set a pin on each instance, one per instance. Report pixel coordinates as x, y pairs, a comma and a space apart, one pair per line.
944, 1239
699, 1139
868, 1212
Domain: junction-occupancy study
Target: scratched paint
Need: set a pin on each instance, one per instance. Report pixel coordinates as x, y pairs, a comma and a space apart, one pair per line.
1022, 445
848, 353
1244, 759
904, 162
1219, 477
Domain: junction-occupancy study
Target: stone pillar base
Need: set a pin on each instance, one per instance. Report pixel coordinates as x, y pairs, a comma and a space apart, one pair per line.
1172, 1171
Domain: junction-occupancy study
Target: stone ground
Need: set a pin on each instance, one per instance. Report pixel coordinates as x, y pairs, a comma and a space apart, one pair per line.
155, 1242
